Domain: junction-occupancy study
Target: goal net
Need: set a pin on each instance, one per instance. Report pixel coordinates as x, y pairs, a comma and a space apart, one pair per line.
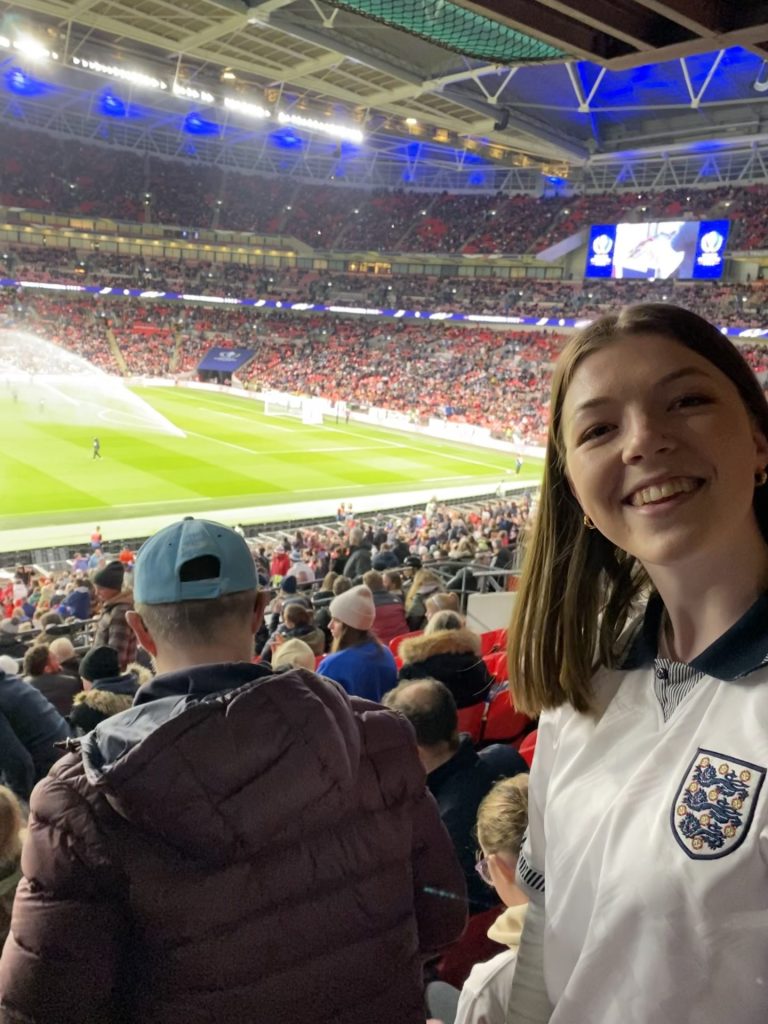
308, 410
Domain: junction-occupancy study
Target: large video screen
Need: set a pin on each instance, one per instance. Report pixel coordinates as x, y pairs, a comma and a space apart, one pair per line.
684, 249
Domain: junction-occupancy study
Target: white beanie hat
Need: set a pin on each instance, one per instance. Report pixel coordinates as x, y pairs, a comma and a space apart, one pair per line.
354, 608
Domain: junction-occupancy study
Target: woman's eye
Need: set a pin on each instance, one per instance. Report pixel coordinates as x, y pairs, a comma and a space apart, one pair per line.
686, 401
593, 433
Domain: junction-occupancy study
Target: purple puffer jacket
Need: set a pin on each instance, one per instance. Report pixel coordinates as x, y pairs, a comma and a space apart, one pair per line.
266, 854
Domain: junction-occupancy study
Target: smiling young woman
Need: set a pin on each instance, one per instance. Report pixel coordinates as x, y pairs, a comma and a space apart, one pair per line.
641, 632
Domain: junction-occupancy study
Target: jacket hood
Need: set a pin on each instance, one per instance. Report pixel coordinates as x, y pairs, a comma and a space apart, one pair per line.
104, 702
124, 597
220, 773
508, 927
442, 641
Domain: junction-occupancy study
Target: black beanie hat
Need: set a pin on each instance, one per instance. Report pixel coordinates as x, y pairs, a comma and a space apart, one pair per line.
289, 584
111, 576
100, 663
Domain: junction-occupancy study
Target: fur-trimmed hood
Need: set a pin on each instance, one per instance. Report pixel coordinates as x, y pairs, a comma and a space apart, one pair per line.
103, 702
442, 641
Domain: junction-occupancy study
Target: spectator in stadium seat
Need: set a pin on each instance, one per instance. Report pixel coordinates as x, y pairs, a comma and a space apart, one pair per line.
501, 823
390, 611
77, 603
393, 583
292, 654
450, 652
424, 583
42, 669
385, 558
359, 558
296, 624
411, 565
324, 594
442, 601
106, 690
358, 660
64, 651
112, 628
239, 846
323, 614
279, 564
300, 571
30, 728
458, 776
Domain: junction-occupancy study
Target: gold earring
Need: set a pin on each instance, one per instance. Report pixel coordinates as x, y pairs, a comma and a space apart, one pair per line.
761, 478
590, 525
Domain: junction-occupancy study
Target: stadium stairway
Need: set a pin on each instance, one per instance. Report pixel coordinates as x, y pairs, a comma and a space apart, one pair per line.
115, 349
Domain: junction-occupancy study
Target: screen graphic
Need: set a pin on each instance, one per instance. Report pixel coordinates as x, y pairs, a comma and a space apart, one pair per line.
684, 249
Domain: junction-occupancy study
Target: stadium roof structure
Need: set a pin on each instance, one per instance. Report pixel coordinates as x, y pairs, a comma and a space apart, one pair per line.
470, 92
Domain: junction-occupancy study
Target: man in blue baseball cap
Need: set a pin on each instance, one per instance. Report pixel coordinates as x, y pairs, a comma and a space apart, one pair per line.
237, 846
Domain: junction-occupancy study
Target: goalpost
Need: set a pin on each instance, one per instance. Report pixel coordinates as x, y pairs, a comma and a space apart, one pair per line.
308, 410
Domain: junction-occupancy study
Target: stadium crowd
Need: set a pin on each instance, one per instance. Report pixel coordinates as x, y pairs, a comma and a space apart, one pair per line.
38, 172
727, 304
497, 379
204, 806
341, 598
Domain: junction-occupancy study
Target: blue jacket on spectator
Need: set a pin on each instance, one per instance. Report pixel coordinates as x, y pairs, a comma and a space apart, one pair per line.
78, 604
29, 727
366, 670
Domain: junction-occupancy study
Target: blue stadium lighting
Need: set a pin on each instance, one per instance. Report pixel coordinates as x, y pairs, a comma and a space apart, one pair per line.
19, 82
111, 105
316, 307
286, 138
477, 178
195, 124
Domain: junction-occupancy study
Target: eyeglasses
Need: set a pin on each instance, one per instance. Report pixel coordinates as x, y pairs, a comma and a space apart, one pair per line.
482, 868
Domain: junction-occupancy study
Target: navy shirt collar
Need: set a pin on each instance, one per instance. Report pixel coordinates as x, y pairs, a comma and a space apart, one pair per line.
739, 651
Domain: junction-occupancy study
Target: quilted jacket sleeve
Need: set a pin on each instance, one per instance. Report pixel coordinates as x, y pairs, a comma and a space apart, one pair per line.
61, 963
440, 891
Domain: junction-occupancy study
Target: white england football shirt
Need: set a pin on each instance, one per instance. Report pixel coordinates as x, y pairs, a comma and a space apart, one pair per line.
648, 838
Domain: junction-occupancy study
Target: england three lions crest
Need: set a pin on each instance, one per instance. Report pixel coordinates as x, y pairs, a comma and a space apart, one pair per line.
715, 804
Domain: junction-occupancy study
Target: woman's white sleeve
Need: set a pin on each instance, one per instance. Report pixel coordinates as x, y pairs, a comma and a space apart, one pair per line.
529, 1003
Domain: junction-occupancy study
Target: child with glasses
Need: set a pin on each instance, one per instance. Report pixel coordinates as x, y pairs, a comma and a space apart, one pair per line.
501, 822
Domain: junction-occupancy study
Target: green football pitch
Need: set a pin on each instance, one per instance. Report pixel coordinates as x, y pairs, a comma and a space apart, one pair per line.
230, 456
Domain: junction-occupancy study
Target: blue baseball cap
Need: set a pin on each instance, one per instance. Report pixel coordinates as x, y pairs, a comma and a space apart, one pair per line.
158, 576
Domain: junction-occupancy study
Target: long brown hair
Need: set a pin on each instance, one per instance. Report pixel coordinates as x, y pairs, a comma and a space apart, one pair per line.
422, 578
348, 636
577, 588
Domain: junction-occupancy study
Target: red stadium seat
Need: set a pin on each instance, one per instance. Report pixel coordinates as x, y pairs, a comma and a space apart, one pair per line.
528, 746
497, 666
395, 642
471, 720
504, 723
492, 641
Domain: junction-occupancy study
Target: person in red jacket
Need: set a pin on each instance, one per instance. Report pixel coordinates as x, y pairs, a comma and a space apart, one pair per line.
237, 846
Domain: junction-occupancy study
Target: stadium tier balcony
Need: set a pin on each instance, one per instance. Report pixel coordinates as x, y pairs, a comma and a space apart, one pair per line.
53, 175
